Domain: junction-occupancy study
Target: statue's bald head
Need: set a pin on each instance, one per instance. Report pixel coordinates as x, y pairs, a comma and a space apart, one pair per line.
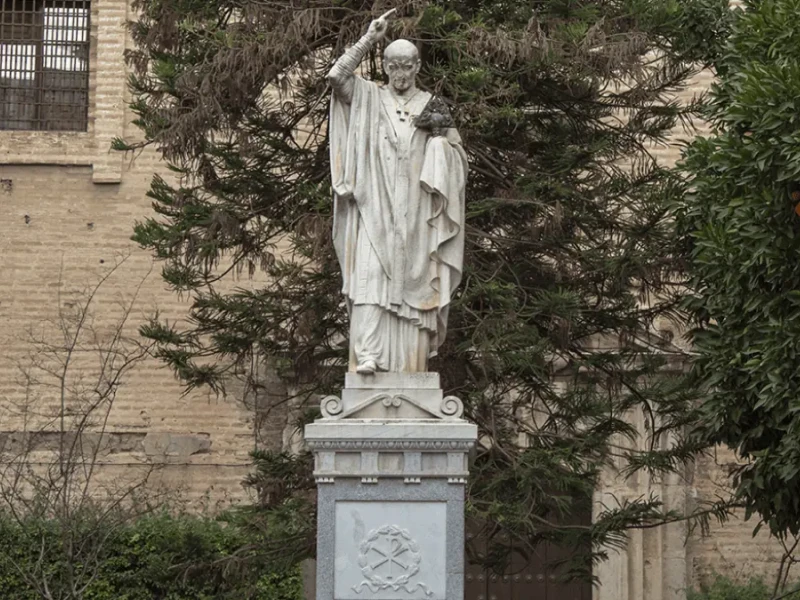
401, 63
401, 50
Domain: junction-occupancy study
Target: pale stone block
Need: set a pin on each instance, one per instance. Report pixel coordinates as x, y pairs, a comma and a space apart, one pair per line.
413, 462
456, 462
326, 461
391, 462
348, 462
434, 463
400, 543
401, 381
369, 462
421, 430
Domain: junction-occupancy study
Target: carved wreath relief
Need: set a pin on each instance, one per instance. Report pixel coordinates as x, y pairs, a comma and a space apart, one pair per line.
389, 559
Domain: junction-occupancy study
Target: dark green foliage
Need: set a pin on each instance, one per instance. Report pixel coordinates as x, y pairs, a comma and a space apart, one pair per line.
284, 517
570, 255
743, 241
155, 558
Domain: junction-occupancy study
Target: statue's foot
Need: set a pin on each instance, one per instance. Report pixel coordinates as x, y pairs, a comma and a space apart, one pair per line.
368, 367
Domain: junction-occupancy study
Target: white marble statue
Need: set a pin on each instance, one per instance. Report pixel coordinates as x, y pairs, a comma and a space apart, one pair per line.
398, 209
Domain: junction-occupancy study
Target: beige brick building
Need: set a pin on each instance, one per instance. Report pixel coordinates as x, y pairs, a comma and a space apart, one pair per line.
68, 206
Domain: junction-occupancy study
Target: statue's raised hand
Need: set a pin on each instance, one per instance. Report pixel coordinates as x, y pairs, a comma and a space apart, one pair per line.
377, 29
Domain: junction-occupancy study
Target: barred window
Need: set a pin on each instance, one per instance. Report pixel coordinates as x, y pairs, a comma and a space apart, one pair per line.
44, 64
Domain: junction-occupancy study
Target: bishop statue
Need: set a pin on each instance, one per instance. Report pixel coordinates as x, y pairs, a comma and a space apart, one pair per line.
399, 172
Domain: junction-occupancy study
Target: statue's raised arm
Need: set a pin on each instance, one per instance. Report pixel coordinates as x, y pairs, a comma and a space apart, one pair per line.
343, 71
398, 175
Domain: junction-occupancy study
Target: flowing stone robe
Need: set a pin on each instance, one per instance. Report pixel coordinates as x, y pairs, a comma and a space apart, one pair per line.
398, 226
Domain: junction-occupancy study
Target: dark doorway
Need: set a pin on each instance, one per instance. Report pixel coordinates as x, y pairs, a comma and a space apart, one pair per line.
527, 577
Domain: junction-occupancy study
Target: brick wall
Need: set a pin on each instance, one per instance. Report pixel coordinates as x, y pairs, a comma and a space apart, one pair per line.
729, 548
69, 206
60, 234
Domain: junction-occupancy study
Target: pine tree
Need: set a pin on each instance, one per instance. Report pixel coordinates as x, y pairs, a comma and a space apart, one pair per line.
742, 238
570, 253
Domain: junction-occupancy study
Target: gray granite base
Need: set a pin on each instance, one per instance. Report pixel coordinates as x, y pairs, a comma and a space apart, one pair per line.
390, 541
391, 464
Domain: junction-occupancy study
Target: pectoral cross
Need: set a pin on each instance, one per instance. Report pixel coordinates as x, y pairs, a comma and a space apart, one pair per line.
403, 114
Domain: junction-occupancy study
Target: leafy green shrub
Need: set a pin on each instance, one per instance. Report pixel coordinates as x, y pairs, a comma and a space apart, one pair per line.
281, 586
156, 558
723, 588
742, 239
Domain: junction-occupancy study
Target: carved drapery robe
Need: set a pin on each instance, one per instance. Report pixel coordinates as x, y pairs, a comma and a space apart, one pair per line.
398, 225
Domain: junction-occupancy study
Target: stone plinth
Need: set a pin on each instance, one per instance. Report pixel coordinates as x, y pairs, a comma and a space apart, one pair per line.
392, 396
391, 461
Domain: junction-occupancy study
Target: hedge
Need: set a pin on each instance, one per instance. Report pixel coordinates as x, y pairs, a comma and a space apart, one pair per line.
155, 558
724, 588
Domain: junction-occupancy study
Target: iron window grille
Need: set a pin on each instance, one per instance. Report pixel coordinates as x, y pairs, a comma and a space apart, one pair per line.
44, 64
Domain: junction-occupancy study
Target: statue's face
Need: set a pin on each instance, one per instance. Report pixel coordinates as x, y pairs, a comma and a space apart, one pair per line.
402, 72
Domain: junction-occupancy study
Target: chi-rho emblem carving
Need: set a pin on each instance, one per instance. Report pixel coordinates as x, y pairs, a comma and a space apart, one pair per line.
390, 559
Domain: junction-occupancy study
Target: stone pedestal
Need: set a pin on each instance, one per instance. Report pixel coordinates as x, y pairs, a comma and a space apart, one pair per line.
391, 461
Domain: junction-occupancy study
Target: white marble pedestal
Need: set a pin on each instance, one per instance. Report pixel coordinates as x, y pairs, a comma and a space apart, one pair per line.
391, 461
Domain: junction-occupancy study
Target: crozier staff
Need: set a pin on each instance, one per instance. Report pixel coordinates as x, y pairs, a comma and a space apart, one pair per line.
398, 208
